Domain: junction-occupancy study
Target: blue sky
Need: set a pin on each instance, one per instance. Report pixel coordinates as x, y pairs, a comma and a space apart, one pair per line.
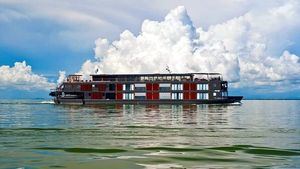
51, 36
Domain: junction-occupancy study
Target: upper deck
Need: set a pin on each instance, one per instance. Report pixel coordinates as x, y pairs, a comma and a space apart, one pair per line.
168, 77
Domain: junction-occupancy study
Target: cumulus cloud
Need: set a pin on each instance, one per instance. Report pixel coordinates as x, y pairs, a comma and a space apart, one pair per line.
20, 76
174, 42
61, 77
259, 39
249, 49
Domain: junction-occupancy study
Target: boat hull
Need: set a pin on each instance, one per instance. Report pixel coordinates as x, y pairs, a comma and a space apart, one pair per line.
229, 99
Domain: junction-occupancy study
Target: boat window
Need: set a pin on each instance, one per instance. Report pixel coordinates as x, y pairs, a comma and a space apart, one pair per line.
131, 87
164, 87
164, 95
176, 96
128, 87
112, 87
202, 86
202, 96
128, 96
110, 96
177, 87
140, 87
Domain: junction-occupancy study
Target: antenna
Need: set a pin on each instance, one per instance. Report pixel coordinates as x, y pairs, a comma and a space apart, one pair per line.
168, 69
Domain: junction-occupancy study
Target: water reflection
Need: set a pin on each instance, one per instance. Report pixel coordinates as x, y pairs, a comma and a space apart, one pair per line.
204, 115
148, 114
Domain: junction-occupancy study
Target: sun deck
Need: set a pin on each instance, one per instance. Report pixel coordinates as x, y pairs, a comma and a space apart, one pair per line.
184, 77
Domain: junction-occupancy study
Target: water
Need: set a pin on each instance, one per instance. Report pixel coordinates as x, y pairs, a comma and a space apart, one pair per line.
255, 134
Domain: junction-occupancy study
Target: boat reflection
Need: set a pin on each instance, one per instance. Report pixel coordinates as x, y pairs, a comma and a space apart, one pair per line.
192, 115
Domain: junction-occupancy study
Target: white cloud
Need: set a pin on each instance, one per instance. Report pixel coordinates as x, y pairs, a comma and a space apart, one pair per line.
173, 42
61, 77
260, 39
20, 76
250, 49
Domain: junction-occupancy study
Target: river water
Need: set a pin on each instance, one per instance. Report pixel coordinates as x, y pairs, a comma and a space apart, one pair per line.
254, 134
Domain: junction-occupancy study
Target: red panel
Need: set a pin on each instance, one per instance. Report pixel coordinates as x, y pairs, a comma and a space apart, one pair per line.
149, 95
119, 96
155, 96
155, 86
89, 87
96, 95
186, 86
119, 87
101, 87
193, 95
193, 86
186, 95
86, 87
149, 86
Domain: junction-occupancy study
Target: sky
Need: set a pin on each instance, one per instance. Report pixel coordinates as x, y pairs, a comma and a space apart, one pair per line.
254, 44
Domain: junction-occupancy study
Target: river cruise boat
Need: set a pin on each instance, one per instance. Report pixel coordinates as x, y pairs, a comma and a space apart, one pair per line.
171, 88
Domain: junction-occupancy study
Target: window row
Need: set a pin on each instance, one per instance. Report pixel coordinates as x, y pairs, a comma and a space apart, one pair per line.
177, 87
127, 87
162, 87
202, 96
177, 96
173, 96
128, 96
202, 86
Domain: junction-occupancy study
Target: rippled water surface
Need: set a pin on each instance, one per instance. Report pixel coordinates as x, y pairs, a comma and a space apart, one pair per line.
255, 134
